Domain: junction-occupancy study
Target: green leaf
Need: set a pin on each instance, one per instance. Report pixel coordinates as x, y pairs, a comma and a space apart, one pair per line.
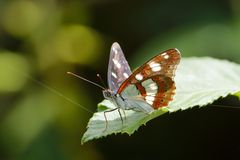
199, 81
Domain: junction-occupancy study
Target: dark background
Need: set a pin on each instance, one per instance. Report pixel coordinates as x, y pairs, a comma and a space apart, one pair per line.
41, 40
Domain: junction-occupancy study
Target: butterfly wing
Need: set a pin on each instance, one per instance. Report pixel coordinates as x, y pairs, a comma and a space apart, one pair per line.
153, 82
118, 68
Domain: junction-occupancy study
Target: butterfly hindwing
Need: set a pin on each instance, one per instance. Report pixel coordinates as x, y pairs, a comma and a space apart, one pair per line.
118, 68
154, 80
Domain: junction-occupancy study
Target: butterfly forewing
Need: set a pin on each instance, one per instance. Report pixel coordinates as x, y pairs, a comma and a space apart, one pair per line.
118, 68
154, 80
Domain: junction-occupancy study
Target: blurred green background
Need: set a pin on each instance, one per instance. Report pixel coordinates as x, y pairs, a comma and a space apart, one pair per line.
41, 40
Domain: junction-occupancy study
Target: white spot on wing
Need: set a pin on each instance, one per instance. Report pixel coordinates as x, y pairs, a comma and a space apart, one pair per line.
139, 77
115, 50
149, 98
155, 66
166, 56
114, 75
125, 75
155, 69
117, 64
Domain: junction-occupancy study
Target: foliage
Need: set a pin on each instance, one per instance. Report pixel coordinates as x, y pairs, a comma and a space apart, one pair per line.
199, 82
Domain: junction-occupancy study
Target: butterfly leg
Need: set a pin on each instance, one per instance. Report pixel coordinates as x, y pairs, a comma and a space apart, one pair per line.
104, 113
125, 117
121, 115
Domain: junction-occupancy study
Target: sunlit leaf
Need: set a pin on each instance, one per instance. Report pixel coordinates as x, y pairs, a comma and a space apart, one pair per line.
199, 82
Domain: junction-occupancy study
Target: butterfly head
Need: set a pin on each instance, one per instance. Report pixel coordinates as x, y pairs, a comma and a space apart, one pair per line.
108, 94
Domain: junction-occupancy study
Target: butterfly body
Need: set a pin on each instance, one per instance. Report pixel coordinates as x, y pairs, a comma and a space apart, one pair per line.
149, 87
123, 101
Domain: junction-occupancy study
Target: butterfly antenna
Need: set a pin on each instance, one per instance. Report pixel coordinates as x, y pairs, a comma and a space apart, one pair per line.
98, 75
75, 75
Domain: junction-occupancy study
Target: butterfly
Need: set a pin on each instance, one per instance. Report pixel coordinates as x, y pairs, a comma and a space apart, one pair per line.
149, 87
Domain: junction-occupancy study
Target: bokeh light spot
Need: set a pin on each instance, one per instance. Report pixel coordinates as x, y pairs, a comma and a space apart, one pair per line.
13, 67
77, 44
21, 18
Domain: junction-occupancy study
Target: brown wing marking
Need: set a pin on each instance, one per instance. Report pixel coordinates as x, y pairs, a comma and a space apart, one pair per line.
165, 91
163, 64
141, 89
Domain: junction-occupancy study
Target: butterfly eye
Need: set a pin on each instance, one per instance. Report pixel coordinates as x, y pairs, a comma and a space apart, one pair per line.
106, 94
